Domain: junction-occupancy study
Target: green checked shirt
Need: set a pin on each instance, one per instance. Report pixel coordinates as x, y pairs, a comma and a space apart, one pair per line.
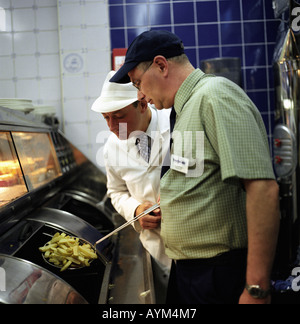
221, 133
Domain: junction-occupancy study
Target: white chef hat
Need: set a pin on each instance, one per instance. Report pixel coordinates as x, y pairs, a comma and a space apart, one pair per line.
114, 96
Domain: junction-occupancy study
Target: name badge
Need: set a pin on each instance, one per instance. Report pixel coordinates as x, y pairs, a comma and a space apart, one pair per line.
179, 164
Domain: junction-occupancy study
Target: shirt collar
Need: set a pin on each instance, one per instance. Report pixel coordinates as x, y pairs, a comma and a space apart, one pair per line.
151, 130
186, 89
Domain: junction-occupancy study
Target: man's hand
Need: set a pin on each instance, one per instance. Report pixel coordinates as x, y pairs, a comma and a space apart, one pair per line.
150, 221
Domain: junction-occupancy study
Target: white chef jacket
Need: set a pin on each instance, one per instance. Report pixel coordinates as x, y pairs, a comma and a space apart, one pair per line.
132, 181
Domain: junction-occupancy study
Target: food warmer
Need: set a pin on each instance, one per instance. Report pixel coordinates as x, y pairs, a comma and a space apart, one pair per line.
49, 186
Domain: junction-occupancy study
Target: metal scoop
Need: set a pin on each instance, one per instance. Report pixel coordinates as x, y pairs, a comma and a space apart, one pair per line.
145, 213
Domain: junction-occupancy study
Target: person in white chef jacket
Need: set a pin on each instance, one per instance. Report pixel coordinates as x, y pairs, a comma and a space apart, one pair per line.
133, 180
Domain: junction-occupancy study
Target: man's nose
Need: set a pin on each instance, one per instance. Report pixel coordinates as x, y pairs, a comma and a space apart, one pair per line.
141, 96
112, 124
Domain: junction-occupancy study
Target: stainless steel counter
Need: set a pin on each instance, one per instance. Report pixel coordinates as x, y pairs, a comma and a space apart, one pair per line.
133, 278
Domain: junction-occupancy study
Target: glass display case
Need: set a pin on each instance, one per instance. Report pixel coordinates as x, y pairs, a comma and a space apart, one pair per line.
80, 158
12, 184
38, 158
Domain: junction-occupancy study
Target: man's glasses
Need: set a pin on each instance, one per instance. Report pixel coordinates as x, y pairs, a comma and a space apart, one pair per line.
137, 84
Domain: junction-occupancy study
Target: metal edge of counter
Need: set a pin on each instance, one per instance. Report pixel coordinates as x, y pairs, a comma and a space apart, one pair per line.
27, 270
149, 281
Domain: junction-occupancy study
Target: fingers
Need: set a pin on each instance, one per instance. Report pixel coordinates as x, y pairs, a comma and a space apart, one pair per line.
156, 212
141, 208
146, 205
150, 222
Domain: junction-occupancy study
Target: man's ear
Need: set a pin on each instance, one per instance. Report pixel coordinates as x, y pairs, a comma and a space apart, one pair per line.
161, 62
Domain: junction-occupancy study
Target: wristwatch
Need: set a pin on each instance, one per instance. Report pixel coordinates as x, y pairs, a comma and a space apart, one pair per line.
257, 292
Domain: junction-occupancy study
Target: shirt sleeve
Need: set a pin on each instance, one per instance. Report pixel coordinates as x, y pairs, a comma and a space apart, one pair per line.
121, 199
236, 131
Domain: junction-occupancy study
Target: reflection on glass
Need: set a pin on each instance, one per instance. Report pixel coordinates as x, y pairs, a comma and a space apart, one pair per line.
80, 158
12, 184
38, 158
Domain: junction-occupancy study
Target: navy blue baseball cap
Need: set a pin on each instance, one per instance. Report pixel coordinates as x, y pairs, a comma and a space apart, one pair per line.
145, 47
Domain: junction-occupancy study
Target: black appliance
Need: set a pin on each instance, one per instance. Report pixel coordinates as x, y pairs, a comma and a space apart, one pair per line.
46, 186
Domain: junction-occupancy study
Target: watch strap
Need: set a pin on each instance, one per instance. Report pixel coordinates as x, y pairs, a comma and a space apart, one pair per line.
257, 292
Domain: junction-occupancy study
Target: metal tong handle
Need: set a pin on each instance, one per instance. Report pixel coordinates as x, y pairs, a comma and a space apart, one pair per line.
145, 213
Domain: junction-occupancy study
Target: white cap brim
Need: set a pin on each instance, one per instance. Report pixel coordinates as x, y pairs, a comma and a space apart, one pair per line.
107, 105
115, 96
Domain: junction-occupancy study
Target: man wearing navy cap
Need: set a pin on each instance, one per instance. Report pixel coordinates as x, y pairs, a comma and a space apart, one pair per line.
219, 222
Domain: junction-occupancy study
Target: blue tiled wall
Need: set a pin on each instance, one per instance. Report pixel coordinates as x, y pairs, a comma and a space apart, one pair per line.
209, 29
